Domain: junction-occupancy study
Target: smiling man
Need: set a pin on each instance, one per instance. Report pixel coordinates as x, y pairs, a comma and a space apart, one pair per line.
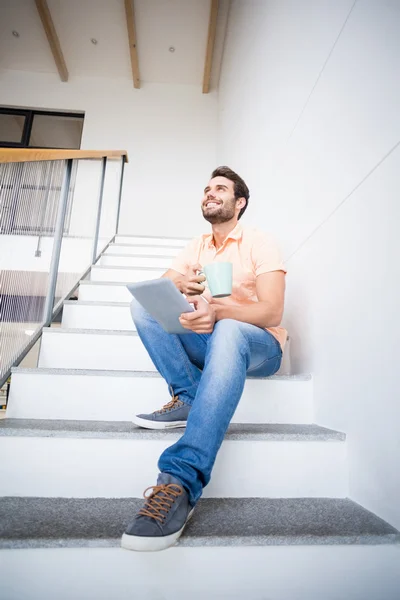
206, 368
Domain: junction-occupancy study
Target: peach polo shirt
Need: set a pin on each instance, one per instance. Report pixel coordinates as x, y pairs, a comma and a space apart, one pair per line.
251, 252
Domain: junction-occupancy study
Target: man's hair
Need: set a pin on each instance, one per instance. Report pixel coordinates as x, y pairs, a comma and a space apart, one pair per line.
240, 188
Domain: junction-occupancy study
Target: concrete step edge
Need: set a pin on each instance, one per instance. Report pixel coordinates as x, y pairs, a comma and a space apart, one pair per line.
72, 331
108, 283
244, 432
113, 373
100, 522
150, 237
96, 303
126, 268
169, 256
114, 244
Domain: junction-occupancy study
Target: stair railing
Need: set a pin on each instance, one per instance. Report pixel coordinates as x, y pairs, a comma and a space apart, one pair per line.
59, 210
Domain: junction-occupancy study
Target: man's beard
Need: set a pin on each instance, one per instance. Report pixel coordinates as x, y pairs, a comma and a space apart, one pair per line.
222, 214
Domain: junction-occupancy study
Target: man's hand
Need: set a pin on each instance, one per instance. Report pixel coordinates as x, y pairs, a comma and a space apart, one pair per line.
202, 320
190, 284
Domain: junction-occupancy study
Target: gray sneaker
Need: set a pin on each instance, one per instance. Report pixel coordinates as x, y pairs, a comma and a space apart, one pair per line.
173, 414
160, 522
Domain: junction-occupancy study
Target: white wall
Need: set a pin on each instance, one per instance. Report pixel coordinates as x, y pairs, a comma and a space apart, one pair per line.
168, 130
17, 253
305, 117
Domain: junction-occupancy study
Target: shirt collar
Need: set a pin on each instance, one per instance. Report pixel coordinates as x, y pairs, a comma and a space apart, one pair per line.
235, 234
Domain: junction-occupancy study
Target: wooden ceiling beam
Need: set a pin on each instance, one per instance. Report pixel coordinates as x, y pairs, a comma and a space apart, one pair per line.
130, 22
212, 28
52, 37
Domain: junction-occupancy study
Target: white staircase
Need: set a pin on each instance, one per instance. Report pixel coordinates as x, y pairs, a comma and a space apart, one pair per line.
275, 521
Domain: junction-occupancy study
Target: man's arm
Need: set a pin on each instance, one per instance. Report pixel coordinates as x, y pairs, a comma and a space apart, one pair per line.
175, 276
267, 312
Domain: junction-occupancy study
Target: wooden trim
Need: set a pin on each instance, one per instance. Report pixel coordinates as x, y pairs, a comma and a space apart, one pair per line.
212, 28
52, 37
130, 22
14, 155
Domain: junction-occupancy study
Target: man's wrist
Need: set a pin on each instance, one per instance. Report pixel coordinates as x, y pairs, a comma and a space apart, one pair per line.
178, 284
218, 311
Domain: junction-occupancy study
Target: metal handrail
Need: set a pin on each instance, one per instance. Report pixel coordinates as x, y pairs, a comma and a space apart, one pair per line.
16, 155
9, 155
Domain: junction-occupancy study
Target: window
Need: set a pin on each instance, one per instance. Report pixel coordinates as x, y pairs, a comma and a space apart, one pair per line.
12, 128
27, 206
40, 129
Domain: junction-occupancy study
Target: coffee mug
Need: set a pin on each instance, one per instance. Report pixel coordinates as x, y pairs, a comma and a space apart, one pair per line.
219, 278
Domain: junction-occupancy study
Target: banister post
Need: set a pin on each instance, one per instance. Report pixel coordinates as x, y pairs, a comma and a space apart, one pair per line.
97, 229
121, 181
58, 235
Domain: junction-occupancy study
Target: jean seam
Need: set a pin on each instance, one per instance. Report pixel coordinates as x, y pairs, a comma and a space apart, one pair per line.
265, 344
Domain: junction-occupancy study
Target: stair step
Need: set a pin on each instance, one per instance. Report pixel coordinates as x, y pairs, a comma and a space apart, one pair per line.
117, 459
132, 274
104, 291
98, 315
93, 349
100, 522
126, 430
123, 260
93, 394
104, 349
148, 240
79, 314
138, 249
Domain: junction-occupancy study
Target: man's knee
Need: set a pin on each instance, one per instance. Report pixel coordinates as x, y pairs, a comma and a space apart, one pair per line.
227, 326
228, 340
229, 330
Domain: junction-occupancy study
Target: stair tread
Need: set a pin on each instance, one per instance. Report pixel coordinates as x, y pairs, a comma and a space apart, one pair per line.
97, 303
142, 255
127, 430
121, 245
133, 373
151, 237
127, 268
72, 331
83, 522
109, 283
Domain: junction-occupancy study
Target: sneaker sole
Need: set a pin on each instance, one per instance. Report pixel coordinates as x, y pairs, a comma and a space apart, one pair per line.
147, 424
139, 543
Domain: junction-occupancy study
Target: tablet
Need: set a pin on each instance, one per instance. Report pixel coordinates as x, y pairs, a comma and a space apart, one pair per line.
163, 301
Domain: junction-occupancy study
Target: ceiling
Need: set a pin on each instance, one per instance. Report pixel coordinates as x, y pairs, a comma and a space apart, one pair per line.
160, 24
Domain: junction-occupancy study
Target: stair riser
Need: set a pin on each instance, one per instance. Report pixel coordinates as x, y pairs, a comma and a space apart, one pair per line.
93, 351
257, 573
124, 274
76, 467
86, 350
98, 317
135, 261
149, 241
80, 316
102, 398
104, 293
141, 250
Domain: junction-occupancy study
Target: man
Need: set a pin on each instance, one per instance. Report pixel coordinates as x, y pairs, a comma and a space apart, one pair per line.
206, 368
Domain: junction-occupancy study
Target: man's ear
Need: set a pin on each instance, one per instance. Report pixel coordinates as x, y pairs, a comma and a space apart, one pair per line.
241, 203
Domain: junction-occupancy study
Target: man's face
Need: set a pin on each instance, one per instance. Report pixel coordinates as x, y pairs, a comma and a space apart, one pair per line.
219, 203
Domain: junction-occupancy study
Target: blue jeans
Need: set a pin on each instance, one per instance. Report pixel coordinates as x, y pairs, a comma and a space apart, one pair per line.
207, 371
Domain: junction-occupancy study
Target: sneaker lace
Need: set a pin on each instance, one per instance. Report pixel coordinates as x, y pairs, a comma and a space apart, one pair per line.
173, 403
159, 501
